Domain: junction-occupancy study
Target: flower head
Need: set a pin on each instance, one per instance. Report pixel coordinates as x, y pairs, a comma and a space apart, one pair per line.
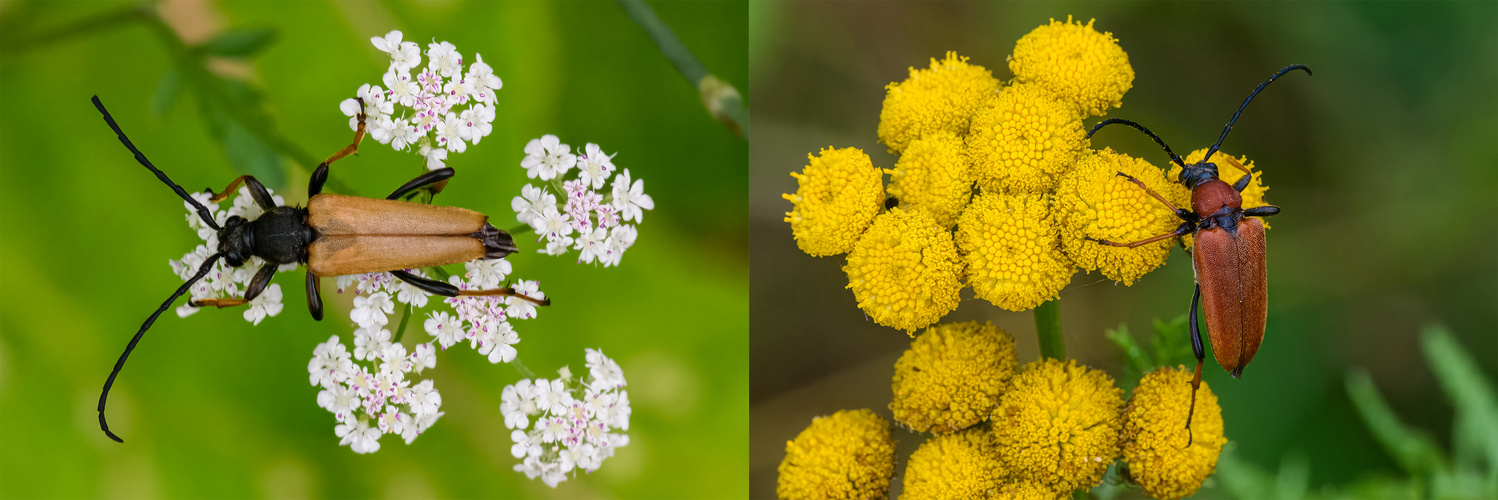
1024, 140
838, 194
958, 465
1088, 69
1012, 249
574, 420
1228, 171
951, 377
1058, 424
904, 271
1155, 434
846, 455
943, 97
599, 216
439, 110
933, 174
1093, 201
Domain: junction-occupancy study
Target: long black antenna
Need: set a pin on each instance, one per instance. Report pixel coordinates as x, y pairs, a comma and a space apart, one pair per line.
202, 271
1225, 131
1141, 128
203, 212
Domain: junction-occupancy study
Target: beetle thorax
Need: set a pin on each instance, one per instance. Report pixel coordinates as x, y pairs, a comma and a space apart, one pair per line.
1209, 198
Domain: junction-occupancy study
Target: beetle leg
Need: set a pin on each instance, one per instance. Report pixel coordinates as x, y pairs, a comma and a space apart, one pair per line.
1201, 355
257, 191
104, 396
1264, 211
319, 176
1186, 215
428, 178
257, 285
314, 295
435, 287
1186, 227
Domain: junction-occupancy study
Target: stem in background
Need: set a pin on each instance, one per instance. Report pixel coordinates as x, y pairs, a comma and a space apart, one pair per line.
1048, 329
521, 229
402, 329
722, 100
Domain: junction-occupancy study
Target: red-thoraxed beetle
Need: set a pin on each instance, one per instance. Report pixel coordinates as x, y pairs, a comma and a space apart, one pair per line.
1228, 254
334, 235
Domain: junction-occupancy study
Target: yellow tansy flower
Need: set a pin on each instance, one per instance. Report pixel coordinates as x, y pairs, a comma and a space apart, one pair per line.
941, 98
847, 455
1093, 201
1026, 490
1023, 141
839, 194
959, 465
904, 271
951, 377
1155, 434
1253, 195
1012, 249
1087, 68
1058, 424
933, 174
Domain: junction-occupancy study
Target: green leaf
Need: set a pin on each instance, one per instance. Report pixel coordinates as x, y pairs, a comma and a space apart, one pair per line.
1139, 364
1476, 429
1411, 448
1171, 343
167, 92
250, 156
1294, 476
240, 42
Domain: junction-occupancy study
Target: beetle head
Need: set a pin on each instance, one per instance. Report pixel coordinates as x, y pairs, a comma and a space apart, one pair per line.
235, 242
1197, 173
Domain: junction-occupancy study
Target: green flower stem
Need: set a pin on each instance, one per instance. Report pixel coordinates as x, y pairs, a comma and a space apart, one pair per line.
402, 329
521, 229
721, 99
1048, 330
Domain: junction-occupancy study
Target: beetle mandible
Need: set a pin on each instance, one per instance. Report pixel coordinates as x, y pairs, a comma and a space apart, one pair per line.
333, 235
1228, 258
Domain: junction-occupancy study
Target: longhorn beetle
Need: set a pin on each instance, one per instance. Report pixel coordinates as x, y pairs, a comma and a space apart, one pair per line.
333, 235
1228, 258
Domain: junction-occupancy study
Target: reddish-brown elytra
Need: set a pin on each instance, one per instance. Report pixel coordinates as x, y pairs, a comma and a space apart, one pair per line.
334, 235
1228, 255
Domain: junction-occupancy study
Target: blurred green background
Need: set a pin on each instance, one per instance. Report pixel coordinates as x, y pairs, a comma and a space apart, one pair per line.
1384, 163
211, 406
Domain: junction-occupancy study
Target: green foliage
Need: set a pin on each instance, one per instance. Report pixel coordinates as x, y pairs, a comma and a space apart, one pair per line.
1470, 472
1169, 345
240, 42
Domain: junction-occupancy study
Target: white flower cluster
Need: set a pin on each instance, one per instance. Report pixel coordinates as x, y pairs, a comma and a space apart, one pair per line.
573, 420
224, 282
597, 217
484, 321
433, 116
373, 385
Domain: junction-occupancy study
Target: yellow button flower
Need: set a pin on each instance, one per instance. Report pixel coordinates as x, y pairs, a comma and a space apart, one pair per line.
904, 271
1155, 434
1026, 490
847, 455
941, 98
840, 193
1093, 201
951, 377
959, 465
1012, 249
1058, 424
933, 174
1253, 195
1023, 141
1087, 68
